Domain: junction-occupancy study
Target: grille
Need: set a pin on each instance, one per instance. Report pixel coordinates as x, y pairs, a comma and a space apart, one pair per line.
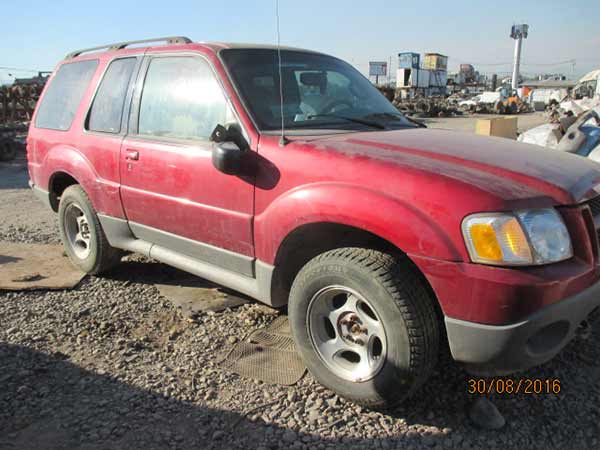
594, 205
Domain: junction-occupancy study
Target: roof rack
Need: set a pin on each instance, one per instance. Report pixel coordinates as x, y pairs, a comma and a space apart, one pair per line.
121, 45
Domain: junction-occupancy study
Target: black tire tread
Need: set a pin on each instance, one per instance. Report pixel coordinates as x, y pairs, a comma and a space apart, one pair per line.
400, 278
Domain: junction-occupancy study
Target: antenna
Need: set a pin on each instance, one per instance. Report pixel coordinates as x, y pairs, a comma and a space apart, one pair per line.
282, 140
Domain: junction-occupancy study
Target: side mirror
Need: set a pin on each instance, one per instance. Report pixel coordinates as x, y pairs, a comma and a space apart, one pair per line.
228, 158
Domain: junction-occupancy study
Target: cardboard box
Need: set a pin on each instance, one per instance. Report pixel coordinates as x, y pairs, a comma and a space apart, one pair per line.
505, 127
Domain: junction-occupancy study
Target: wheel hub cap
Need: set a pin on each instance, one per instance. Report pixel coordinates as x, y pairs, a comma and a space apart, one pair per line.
347, 333
77, 229
351, 329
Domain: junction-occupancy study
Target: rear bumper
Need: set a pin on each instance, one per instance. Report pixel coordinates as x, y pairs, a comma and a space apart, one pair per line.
502, 349
41, 194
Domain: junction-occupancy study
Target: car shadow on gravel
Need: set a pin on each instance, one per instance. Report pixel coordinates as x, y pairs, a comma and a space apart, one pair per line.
47, 402
140, 269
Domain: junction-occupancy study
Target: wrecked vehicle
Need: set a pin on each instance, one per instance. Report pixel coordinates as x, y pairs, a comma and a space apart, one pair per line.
285, 175
588, 85
568, 132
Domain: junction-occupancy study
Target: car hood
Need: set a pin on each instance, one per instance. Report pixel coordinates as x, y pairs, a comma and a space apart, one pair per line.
509, 169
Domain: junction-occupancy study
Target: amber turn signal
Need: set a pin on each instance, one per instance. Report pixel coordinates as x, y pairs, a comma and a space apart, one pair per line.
496, 239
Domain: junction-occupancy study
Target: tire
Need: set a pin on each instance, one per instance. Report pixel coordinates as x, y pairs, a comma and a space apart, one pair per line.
391, 301
88, 250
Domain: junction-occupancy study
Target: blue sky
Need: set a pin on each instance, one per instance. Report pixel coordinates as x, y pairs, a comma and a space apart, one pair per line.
37, 35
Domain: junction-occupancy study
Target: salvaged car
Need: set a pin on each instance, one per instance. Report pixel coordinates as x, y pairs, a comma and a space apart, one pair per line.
285, 175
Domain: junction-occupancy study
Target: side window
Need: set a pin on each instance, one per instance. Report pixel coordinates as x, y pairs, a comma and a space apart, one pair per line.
107, 110
181, 99
64, 94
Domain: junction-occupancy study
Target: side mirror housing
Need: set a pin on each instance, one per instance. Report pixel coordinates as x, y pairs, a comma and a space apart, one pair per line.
228, 158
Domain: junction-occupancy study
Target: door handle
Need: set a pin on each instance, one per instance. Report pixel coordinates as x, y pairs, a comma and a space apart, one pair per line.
132, 155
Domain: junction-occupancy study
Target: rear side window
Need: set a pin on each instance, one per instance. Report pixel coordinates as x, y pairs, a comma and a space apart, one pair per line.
182, 99
63, 96
107, 110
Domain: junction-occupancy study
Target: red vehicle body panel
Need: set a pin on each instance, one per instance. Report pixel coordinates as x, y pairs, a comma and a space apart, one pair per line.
176, 188
412, 188
416, 198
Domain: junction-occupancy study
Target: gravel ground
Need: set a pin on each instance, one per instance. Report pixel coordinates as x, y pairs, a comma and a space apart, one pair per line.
112, 365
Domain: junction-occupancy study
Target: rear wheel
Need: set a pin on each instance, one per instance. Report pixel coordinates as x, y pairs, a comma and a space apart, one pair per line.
365, 325
82, 236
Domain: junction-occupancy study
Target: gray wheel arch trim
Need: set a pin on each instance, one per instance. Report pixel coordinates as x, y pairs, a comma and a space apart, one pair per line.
41, 194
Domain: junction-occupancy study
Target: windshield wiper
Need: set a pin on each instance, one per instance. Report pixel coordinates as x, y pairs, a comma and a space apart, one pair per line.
350, 119
397, 116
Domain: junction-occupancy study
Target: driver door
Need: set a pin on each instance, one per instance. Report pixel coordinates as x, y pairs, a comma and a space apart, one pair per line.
171, 193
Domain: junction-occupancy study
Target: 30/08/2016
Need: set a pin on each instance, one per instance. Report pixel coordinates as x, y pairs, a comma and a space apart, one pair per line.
513, 386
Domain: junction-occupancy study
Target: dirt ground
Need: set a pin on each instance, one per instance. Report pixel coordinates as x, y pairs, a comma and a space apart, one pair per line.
112, 364
467, 123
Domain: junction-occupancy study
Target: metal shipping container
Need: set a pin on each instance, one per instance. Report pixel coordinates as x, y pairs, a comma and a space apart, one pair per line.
438, 78
412, 78
435, 61
408, 60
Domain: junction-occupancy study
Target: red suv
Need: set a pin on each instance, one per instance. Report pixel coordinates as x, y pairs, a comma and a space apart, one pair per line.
284, 174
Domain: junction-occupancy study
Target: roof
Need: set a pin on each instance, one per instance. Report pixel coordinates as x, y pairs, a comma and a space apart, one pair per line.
591, 76
250, 46
179, 40
551, 84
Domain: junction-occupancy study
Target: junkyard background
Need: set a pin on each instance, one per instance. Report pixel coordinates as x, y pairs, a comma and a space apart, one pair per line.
113, 363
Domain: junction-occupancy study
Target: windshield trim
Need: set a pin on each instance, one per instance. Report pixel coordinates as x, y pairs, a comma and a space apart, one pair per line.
237, 91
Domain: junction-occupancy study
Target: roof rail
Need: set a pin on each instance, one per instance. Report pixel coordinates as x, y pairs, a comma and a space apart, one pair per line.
121, 45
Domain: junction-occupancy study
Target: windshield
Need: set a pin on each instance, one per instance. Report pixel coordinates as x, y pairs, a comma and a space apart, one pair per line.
319, 91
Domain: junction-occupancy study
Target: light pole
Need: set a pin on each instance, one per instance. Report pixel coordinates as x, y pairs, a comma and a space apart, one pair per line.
518, 33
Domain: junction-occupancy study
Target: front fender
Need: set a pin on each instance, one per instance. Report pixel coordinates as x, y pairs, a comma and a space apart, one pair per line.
398, 222
103, 193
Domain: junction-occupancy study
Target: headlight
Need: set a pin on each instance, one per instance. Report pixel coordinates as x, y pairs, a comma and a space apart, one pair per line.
520, 238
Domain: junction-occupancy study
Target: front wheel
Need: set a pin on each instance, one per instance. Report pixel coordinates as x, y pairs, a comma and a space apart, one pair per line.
365, 325
82, 236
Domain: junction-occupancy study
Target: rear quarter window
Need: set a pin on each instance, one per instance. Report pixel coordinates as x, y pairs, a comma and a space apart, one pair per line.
64, 94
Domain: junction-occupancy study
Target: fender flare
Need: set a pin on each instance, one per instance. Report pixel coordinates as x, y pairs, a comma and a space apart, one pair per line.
398, 222
71, 161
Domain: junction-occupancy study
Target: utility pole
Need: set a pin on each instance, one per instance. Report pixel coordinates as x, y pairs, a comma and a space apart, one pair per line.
518, 33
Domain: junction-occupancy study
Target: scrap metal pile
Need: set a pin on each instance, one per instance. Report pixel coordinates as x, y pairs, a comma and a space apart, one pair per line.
434, 106
573, 126
455, 104
17, 103
420, 106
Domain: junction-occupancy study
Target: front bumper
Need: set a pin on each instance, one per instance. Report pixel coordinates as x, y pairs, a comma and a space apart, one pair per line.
503, 349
